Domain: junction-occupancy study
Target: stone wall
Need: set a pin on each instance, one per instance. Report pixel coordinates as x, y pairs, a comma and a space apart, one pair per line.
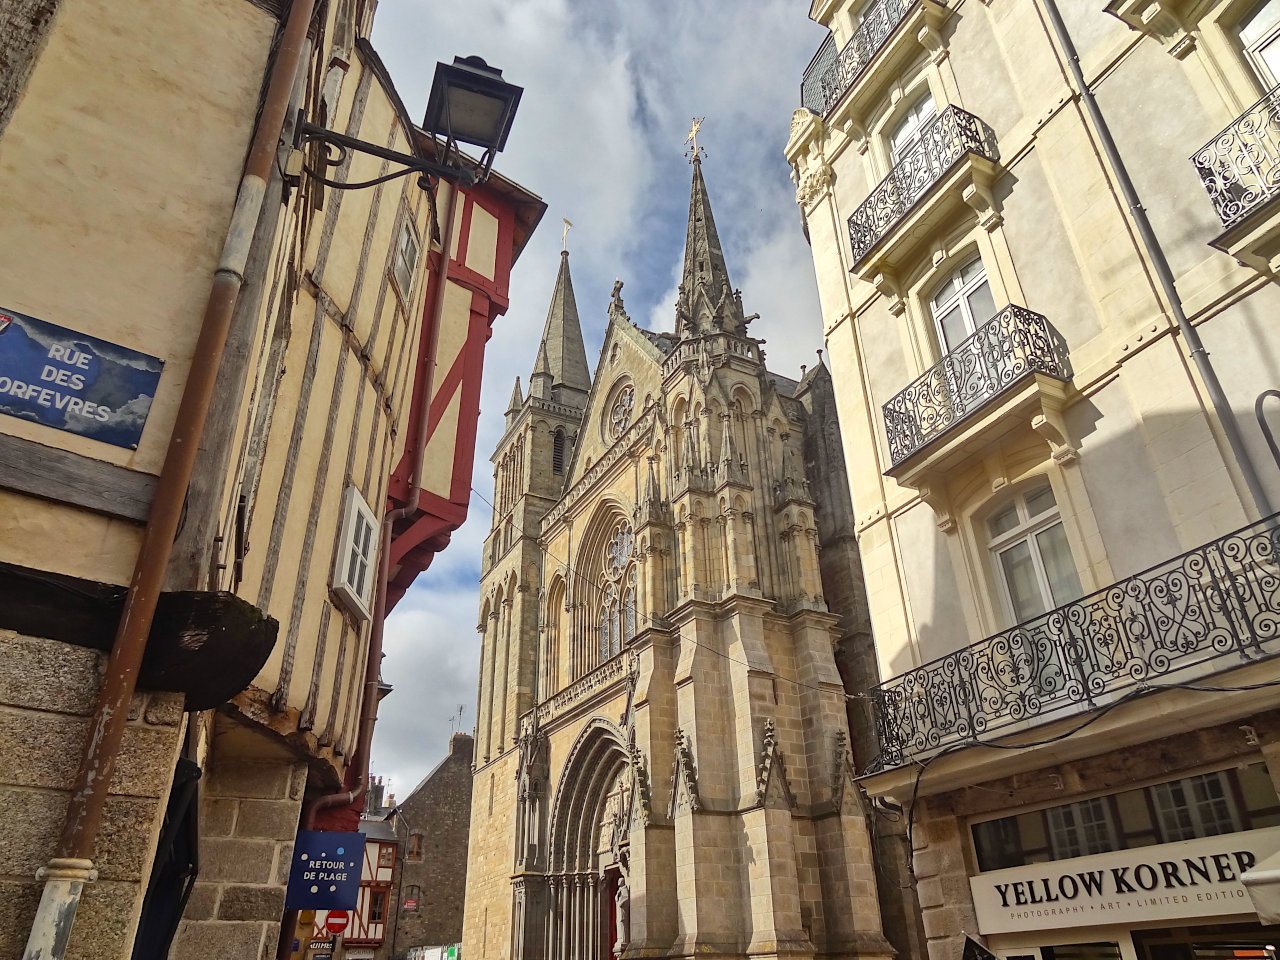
47, 691
248, 818
439, 809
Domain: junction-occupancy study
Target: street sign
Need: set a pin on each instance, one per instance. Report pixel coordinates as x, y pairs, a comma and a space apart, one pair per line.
411, 904
325, 874
71, 381
337, 921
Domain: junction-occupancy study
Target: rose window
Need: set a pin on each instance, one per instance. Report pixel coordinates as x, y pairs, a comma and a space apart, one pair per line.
620, 415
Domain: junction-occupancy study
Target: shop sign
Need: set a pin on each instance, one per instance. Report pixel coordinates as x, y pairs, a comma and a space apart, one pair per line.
326, 871
71, 381
1170, 881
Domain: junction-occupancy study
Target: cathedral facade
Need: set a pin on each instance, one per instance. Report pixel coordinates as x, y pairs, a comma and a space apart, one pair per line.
673, 631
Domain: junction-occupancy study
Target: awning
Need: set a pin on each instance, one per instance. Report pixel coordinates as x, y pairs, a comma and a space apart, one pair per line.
1263, 884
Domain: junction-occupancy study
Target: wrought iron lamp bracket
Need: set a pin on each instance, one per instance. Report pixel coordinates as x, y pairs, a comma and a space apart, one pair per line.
338, 147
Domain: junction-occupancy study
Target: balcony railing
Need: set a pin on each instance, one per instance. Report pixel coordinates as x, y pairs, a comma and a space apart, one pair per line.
943, 142
1240, 167
1212, 608
830, 73
1013, 344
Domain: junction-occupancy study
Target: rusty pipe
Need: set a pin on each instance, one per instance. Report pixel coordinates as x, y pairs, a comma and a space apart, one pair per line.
65, 875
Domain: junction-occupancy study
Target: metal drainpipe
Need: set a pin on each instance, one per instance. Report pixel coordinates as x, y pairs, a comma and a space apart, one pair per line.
373, 662
65, 875
1221, 406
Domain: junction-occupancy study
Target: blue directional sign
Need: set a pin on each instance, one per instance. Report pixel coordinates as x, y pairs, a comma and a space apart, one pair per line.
72, 381
325, 874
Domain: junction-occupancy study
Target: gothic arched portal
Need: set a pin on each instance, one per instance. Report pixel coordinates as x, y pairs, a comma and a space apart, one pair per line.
590, 821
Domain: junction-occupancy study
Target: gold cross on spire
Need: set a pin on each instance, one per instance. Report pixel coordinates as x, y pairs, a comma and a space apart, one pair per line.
564, 236
695, 151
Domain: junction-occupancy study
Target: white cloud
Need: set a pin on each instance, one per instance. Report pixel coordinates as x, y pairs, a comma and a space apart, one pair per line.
609, 89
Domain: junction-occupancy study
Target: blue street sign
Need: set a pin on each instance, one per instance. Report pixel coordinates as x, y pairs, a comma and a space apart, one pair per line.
325, 874
72, 381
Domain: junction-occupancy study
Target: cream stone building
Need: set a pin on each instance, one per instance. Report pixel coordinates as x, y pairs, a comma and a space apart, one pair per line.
669, 593
214, 389
1045, 236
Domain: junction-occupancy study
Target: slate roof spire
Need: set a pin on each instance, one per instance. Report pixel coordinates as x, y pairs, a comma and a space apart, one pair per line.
562, 354
708, 303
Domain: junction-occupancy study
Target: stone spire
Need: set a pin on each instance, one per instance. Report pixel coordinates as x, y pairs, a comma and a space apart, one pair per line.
708, 303
540, 382
565, 355
516, 404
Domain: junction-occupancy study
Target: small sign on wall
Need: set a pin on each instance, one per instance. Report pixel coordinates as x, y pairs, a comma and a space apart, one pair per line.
74, 382
325, 874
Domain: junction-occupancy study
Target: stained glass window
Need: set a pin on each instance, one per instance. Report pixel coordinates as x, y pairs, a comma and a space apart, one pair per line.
617, 624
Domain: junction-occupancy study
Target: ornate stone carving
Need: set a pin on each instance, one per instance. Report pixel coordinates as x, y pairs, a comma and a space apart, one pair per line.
684, 778
842, 771
620, 412
772, 786
605, 674
641, 797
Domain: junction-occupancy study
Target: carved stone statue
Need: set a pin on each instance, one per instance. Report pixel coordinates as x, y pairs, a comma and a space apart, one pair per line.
622, 901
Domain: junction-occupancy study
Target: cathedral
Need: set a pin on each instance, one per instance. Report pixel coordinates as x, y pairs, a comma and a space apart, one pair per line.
674, 637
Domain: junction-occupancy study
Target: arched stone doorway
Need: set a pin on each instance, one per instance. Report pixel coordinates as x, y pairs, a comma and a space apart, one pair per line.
587, 871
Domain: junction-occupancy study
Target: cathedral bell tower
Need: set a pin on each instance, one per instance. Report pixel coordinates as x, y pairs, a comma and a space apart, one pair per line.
531, 463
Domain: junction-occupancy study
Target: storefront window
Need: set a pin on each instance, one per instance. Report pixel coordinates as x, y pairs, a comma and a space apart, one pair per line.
1205, 805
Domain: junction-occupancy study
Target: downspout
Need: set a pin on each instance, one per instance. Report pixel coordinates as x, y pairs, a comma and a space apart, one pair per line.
373, 662
1221, 406
72, 867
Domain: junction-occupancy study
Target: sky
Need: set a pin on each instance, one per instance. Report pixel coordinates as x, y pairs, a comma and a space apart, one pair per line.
610, 89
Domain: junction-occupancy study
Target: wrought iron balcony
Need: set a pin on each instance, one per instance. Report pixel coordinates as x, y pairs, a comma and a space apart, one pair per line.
1013, 344
1240, 167
943, 142
830, 74
1202, 612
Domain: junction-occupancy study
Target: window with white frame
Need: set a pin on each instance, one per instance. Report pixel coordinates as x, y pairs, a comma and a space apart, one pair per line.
1259, 34
406, 258
353, 568
1201, 806
1032, 557
1081, 829
962, 304
910, 127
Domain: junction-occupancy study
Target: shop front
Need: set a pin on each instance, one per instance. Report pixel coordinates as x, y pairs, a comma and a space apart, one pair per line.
1182, 900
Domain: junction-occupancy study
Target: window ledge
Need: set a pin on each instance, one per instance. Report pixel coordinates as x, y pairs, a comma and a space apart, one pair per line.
1255, 242
1037, 398
967, 184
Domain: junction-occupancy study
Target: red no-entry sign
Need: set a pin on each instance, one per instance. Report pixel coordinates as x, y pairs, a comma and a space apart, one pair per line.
337, 921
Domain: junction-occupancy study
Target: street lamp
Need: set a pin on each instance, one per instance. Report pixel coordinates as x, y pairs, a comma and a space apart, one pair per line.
469, 103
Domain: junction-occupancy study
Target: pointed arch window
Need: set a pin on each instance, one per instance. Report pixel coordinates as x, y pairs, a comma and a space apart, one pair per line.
616, 624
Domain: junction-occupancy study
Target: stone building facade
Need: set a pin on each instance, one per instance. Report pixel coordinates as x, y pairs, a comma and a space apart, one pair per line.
432, 824
663, 753
176, 298
1048, 331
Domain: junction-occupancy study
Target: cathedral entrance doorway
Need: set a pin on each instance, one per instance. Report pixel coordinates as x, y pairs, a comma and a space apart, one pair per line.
589, 906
